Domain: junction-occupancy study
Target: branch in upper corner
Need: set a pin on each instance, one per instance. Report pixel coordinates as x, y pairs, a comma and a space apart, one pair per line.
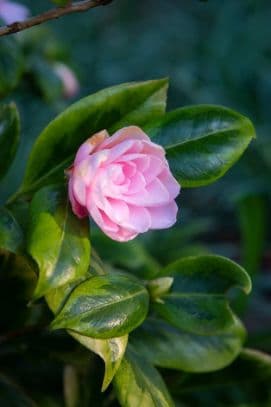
52, 14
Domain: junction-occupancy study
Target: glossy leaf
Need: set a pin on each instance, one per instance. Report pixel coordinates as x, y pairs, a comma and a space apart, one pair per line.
57, 240
111, 108
202, 142
197, 302
138, 383
11, 234
104, 307
173, 348
9, 136
110, 350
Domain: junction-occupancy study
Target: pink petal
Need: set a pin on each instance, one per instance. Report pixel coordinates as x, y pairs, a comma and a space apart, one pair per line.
78, 209
170, 183
156, 166
151, 148
79, 190
139, 219
137, 184
163, 216
126, 133
90, 145
119, 151
154, 194
112, 230
141, 161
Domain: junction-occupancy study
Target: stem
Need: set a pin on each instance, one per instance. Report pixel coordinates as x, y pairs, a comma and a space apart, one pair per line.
52, 14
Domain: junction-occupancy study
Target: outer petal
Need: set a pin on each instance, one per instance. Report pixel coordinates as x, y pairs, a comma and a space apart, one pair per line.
90, 145
170, 183
111, 229
163, 217
126, 133
78, 209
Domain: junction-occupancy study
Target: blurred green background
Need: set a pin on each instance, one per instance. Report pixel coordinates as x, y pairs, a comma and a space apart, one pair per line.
213, 52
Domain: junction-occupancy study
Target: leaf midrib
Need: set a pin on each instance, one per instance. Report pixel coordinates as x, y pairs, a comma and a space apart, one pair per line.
206, 135
113, 302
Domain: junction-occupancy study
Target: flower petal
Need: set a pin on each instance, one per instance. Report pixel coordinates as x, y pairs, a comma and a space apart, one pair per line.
163, 217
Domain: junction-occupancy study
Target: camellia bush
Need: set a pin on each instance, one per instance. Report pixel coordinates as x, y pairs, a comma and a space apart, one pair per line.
105, 170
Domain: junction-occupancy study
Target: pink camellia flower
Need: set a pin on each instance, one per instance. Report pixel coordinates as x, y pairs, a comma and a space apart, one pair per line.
12, 12
70, 83
123, 183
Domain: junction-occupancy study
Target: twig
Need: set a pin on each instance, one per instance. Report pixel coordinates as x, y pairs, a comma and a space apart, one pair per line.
52, 14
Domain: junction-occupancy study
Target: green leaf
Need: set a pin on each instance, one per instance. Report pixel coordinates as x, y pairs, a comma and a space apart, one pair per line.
11, 234
11, 64
197, 303
138, 383
202, 142
57, 240
173, 348
9, 136
110, 350
111, 108
104, 307
245, 382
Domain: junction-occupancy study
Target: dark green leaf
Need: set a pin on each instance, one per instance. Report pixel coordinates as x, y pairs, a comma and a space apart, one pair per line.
197, 302
110, 350
138, 383
202, 142
104, 307
9, 136
58, 241
111, 108
169, 347
11, 234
